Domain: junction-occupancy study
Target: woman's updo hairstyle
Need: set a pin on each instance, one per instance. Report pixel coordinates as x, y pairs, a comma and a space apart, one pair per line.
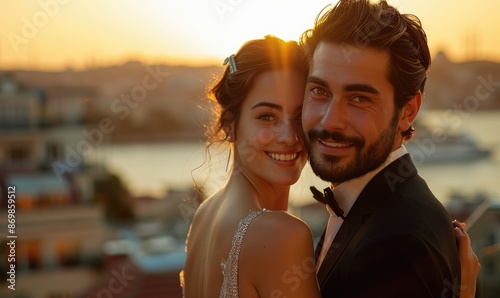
252, 59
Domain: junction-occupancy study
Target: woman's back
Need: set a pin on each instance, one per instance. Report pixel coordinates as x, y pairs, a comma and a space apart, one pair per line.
208, 243
273, 241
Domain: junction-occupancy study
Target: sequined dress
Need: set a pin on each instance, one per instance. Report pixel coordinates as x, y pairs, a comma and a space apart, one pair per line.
229, 286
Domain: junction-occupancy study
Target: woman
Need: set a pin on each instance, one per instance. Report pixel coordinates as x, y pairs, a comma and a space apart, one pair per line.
242, 242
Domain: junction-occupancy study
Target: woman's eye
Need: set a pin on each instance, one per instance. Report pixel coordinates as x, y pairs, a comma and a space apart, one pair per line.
266, 117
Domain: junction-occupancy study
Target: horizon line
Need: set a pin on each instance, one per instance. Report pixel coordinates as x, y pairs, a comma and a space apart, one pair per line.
185, 62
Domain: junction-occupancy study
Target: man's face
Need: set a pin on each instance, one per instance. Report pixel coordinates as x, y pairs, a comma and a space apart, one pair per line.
349, 118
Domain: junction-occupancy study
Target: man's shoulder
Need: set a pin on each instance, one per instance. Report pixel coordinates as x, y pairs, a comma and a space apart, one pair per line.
414, 209
415, 195
409, 199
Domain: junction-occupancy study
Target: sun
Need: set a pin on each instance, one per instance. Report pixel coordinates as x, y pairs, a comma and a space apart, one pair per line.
219, 28
192, 32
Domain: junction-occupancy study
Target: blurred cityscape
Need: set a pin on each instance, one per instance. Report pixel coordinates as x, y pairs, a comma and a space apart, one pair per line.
82, 232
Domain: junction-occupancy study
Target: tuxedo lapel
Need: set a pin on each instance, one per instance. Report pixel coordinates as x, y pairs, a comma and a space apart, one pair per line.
374, 196
339, 243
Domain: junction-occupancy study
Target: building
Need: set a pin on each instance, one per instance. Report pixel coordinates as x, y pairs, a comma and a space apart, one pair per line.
483, 227
59, 230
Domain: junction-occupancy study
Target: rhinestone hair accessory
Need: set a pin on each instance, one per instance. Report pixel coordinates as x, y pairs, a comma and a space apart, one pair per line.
232, 64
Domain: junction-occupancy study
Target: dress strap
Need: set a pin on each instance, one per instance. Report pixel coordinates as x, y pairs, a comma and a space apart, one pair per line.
230, 267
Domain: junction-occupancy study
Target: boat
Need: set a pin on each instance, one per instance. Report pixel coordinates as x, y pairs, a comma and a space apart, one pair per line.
437, 145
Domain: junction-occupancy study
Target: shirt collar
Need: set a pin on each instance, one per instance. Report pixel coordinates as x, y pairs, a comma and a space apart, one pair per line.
347, 192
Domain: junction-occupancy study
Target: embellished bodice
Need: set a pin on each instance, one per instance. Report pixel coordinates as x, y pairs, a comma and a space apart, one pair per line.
229, 286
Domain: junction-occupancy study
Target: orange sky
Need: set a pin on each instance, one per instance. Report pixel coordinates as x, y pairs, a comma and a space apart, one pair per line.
55, 34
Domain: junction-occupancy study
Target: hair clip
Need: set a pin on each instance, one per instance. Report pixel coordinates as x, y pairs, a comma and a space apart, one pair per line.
232, 63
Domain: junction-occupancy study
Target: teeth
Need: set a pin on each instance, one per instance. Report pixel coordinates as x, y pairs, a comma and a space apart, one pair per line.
333, 144
283, 157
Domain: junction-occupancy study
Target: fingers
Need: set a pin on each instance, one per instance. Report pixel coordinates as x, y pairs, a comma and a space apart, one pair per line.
458, 224
461, 235
464, 247
462, 238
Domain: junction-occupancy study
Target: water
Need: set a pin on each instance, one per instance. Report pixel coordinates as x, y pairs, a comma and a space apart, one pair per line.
468, 177
153, 169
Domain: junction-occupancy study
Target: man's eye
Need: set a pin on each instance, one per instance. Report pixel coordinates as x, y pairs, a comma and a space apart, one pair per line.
360, 99
319, 91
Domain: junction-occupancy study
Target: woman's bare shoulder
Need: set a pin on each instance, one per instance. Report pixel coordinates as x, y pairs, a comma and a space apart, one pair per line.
278, 229
277, 244
283, 220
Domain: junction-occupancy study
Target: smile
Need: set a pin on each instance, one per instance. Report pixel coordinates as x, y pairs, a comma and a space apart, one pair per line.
334, 144
283, 157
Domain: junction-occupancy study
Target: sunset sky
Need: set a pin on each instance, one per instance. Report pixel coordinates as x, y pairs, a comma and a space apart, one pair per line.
56, 34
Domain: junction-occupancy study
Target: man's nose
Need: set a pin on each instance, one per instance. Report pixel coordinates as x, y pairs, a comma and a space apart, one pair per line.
335, 115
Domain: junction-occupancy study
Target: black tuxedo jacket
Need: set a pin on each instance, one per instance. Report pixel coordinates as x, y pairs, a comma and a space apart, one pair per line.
396, 241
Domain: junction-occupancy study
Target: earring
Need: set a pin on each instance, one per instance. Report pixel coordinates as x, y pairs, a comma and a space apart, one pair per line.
228, 138
296, 137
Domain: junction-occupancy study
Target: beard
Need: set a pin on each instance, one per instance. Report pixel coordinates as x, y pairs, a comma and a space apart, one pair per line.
338, 169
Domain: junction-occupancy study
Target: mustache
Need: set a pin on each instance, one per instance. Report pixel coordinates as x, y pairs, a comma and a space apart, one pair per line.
315, 134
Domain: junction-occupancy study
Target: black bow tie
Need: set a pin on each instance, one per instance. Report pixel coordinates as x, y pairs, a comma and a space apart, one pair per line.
328, 198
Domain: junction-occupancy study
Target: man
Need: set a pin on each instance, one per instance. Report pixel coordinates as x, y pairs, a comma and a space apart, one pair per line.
389, 236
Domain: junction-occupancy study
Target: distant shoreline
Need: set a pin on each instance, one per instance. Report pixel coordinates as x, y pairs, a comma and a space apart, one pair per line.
156, 138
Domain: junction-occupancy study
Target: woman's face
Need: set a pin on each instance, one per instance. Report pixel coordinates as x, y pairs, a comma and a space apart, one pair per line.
268, 137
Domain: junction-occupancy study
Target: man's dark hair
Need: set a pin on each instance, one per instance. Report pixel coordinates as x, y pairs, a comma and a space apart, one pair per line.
362, 23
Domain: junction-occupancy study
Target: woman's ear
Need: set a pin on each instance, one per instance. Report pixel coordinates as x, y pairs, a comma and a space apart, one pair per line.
229, 131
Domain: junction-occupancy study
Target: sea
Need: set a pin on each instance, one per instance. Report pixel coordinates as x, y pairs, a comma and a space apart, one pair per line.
156, 168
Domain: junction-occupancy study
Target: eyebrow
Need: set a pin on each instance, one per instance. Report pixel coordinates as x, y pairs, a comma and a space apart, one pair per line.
361, 87
267, 104
316, 80
346, 88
